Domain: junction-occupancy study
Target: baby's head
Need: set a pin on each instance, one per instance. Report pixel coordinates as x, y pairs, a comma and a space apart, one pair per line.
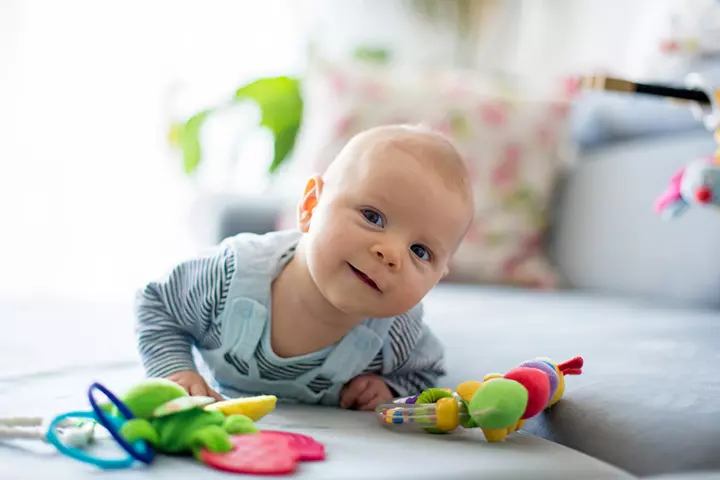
384, 220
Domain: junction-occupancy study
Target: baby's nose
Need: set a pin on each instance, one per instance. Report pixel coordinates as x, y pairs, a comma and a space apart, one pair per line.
387, 255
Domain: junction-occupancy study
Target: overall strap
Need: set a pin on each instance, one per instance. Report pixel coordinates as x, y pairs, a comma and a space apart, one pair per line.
258, 259
246, 328
356, 350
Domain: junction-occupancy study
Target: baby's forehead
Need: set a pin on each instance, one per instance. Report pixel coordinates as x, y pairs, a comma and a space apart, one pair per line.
392, 150
427, 180
430, 152
408, 138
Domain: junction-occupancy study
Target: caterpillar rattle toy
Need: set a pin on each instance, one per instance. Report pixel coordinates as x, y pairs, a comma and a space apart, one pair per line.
499, 405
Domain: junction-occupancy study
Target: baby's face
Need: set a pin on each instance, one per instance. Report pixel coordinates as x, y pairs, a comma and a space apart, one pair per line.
382, 236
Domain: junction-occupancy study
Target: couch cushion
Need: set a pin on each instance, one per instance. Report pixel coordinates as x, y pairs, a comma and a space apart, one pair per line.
648, 398
608, 238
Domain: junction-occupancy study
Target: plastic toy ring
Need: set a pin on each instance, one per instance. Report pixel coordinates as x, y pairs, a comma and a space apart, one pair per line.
80, 455
145, 454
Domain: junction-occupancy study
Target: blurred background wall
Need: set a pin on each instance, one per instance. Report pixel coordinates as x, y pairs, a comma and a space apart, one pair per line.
93, 198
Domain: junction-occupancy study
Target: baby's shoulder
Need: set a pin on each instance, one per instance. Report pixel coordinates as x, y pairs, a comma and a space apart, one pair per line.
262, 241
251, 248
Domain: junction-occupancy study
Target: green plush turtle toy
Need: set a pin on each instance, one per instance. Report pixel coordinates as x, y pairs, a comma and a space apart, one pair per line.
174, 422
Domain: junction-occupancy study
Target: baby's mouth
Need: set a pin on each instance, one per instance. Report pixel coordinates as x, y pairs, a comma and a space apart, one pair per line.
367, 280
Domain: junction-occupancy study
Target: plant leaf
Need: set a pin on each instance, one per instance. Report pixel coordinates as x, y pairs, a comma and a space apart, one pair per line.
281, 106
189, 140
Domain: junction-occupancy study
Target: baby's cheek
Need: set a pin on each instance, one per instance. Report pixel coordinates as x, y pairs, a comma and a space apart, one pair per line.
410, 293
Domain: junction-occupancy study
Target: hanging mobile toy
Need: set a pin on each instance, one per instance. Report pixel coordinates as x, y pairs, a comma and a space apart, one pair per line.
698, 182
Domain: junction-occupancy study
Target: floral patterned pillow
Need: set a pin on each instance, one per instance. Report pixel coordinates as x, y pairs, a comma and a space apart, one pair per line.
512, 145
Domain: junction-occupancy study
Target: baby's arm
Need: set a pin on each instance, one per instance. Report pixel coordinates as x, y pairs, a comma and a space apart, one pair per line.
179, 311
418, 356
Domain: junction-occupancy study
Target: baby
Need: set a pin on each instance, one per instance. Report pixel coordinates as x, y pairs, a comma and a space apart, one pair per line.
329, 313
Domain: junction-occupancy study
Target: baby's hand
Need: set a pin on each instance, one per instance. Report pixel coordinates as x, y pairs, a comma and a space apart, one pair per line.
365, 392
194, 384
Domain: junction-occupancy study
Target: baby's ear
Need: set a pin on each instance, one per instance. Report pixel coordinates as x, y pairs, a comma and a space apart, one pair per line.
309, 201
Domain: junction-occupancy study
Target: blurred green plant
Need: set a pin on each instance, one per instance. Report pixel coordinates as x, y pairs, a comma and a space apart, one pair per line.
280, 98
281, 106
281, 109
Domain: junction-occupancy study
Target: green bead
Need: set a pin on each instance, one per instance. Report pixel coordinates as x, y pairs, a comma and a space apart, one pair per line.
422, 415
499, 403
432, 395
466, 420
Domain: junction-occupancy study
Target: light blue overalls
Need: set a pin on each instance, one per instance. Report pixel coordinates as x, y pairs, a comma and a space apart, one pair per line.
245, 322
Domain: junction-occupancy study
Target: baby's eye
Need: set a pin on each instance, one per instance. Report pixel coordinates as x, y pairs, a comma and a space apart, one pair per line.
373, 217
421, 252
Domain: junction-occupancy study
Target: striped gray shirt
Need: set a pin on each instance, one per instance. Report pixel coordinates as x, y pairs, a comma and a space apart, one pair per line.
180, 311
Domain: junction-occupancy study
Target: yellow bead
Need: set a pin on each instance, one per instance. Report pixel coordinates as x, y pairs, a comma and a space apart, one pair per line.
495, 435
466, 390
490, 376
447, 413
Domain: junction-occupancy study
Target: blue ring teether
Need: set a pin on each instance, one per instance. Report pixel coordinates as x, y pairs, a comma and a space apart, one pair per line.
144, 454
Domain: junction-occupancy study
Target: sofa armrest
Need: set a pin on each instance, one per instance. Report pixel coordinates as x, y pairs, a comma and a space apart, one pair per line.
608, 237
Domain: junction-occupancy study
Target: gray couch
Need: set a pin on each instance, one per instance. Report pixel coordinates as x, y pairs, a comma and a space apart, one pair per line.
644, 313
644, 308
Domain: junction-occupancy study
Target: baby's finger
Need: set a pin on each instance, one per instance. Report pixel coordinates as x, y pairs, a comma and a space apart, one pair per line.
370, 392
185, 386
197, 389
347, 398
350, 395
370, 404
212, 393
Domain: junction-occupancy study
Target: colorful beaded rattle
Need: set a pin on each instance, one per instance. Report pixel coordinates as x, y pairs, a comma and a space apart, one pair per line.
697, 183
499, 405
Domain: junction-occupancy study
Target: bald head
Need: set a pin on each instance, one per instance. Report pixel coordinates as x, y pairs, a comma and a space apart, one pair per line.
397, 201
374, 147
